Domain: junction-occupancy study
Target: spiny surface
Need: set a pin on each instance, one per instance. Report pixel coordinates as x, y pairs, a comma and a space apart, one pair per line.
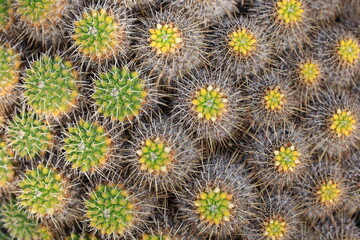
42, 191
349, 50
275, 229
290, 11
156, 237
286, 158
5, 13
74, 236
36, 11
87, 146
329, 192
165, 38
274, 99
119, 94
242, 42
110, 210
9, 69
343, 122
309, 72
7, 171
29, 135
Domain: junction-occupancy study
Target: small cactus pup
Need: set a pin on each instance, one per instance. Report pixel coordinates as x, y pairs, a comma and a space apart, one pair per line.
51, 86
6, 14
279, 155
279, 218
162, 156
43, 191
209, 104
333, 119
288, 19
123, 95
20, 225
87, 146
29, 135
339, 50
10, 62
206, 10
242, 46
219, 202
169, 45
43, 19
7, 166
100, 34
75, 236
272, 99
115, 211
323, 190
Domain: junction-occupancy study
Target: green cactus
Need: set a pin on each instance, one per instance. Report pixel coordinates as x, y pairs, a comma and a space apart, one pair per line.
97, 34
156, 237
74, 236
9, 68
6, 12
43, 191
7, 172
119, 94
87, 146
51, 86
29, 135
110, 209
20, 225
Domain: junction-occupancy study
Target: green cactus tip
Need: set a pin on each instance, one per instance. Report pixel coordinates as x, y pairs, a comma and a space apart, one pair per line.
7, 172
9, 68
156, 237
6, 14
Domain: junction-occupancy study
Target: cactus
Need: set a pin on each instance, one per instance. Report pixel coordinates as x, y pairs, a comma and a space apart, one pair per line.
155, 237
75, 236
165, 38
7, 169
29, 135
309, 72
289, 11
10, 62
43, 191
121, 94
6, 14
51, 86
87, 146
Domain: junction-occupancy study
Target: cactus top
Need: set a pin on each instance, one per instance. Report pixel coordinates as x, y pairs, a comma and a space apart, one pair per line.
209, 103
43, 191
5, 13
165, 38
286, 158
38, 12
74, 236
29, 135
9, 69
309, 72
156, 237
274, 99
97, 34
119, 94
7, 172
328, 192
289, 11
87, 146
348, 50
110, 210
275, 229
51, 86
242, 42
343, 122
214, 206
155, 156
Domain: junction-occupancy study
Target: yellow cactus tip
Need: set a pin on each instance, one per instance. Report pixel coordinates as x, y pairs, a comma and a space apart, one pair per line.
274, 99
242, 42
165, 38
290, 11
348, 50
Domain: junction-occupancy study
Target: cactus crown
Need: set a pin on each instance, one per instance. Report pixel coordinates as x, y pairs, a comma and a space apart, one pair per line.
289, 11
214, 206
74, 236
29, 135
348, 50
329, 192
155, 156
110, 209
97, 34
274, 99
275, 229
9, 66
165, 38
309, 72
287, 158
209, 103
51, 85
242, 42
119, 94
87, 146
7, 172
343, 122
37, 11
156, 237
43, 191
5, 13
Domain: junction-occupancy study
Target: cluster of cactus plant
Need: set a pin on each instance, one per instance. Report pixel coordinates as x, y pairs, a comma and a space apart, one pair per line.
180, 119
